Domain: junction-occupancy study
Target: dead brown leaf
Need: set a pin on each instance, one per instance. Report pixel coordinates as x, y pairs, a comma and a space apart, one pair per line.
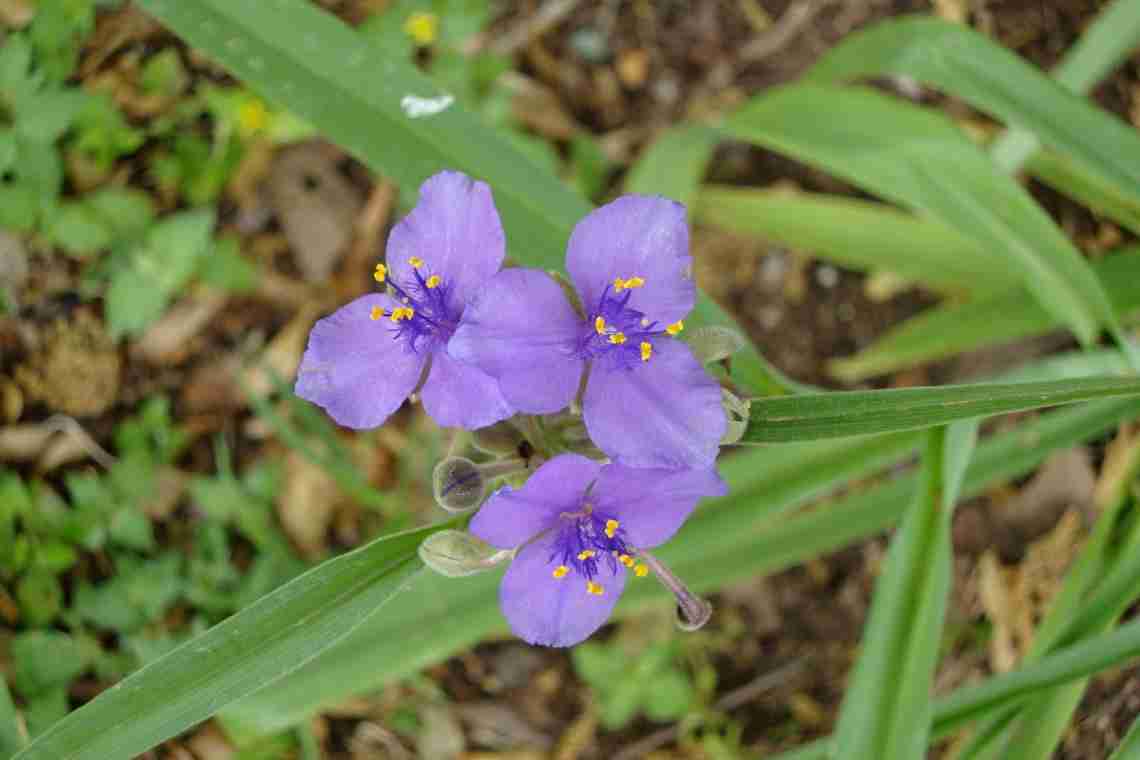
316, 206
307, 504
167, 341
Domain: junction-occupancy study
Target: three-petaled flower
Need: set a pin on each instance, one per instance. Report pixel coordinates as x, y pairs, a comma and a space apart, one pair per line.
580, 527
647, 401
366, 358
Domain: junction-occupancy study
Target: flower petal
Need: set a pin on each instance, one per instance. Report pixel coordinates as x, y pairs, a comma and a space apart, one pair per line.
460, 395
355, 367
455, 230
651, 504
510, 518
635, 236
522, 331
556, 612
665, 412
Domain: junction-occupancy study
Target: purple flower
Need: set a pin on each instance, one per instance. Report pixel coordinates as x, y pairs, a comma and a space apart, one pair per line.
580, 526
648, 402
366, 358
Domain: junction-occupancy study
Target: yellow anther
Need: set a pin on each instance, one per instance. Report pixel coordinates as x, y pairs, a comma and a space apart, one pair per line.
402, 312
611, 528
675, 328
600, 325
422, 27
641, 571
560, 571
646, 350
416, 262
381, 273
634, 282
434, 281
585, 554
619, 284
594, 588
626, 560
617, 338
376, 313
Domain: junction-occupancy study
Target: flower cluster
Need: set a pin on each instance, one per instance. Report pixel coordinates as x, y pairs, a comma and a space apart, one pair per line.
481, 344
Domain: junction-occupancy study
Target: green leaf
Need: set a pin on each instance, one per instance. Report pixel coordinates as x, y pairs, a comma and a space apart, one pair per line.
920, 160
331, 76
954, 328
729, 539
858, 234
966, 64
831, 415
886, 710
40, 597
669, 695
674, 163
44, 660
100, 219
11, 740
164, 262
139, 593
225, 268
275, 635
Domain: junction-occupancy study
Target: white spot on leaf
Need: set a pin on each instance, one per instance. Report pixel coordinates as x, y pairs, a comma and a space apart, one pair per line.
416, 107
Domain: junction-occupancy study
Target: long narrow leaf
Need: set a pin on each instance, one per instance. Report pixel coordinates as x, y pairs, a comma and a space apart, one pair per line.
968, 65
674, 163
886, 709
858, 234
272, 637
951, 329
922, 161
372, 104
725, 541
831, 415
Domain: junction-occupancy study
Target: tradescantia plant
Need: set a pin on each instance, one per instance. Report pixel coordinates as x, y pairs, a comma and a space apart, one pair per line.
514, 343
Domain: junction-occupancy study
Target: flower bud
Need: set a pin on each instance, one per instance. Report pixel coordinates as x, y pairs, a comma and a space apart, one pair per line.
456, 553
501, 438
715, 343
692, 611
737, 411
457, 484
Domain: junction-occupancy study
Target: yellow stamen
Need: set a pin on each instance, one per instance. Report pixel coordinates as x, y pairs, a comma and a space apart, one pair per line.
376, 313
626, 560
617, 339
641, 571
381, 273
416, 262
611, 528
634, 282
599, 325
646, 350
585, 554
560, 571
434, 281
619, 284
594, 588
422, 27
675, 328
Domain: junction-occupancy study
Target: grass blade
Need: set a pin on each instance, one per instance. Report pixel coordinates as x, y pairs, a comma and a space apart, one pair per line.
922, 161
275, 635
674, 163
309, 61
858, 234
886, 710
950, 329
968, 65
830, 415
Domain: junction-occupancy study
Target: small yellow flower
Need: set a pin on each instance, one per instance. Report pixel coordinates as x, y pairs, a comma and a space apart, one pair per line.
253, 117
422, 27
